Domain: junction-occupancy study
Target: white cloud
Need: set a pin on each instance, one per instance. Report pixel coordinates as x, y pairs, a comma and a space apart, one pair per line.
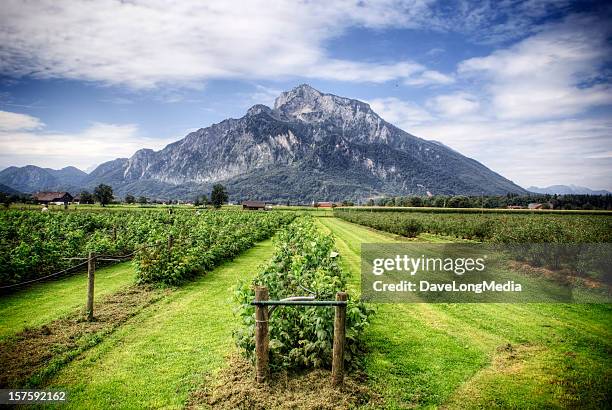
600, 155
403, 114
12, 121
145, 44
148, 43
409, 72
435, 51
118, 101
495, 22
455, 105
538, 153
99, 142
543, 152
429, 77
548, 75
262, 95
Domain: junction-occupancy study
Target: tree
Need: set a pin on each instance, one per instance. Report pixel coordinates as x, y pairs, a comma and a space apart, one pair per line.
439, 201
86, 198
415, 201
5, 199
201, 200
218, 195
143, 200
129, 199
103, 194
459, 201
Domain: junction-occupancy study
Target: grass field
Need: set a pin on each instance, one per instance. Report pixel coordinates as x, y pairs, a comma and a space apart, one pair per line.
482, 355
418, 355
44, 302
159, 356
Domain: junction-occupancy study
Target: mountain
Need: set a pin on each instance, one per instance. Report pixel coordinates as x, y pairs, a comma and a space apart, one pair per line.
31, 178
309, 146
8, 190
68, 175
567, 190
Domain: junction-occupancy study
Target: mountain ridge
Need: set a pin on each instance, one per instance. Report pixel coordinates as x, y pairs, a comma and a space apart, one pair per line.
31, 178
309, 146
568, 190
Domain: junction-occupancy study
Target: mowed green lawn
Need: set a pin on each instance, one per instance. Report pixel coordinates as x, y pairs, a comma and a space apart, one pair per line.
43, 302
160, 355
482, 355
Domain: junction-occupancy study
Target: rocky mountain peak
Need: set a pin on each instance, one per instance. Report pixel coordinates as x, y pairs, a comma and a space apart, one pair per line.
258, 109
300, 95
143, 152
310, 105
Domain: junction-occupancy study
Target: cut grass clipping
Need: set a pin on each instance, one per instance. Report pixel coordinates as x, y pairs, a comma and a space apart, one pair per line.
33, 355
235, 388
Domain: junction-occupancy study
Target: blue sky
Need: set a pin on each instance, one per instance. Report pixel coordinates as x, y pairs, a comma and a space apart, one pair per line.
522, 86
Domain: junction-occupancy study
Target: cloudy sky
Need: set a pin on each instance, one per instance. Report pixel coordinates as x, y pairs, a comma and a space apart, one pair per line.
522, 86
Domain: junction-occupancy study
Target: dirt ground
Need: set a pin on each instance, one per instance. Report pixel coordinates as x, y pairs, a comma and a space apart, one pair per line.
235, 388
564, 277
31, 356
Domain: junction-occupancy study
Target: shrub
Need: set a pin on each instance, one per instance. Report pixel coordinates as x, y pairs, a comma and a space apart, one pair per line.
409, 227
301, 337
202, 242
35, 244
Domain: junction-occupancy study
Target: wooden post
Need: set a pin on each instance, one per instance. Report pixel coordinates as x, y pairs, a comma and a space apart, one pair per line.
170, 242
339, 336
262, 338
91, 271
114, 232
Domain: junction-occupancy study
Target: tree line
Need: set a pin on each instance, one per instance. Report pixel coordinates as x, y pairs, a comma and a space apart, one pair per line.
104, 195
564, 202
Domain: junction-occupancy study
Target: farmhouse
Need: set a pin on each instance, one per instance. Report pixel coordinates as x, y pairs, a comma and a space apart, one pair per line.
324, 205
57, 198
253, 205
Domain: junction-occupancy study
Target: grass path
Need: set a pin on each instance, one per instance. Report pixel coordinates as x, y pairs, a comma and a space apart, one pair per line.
481, 355
159, 356
44, 302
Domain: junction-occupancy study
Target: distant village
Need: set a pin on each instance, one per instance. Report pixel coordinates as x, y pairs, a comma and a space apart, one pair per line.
65, 198
532, 202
